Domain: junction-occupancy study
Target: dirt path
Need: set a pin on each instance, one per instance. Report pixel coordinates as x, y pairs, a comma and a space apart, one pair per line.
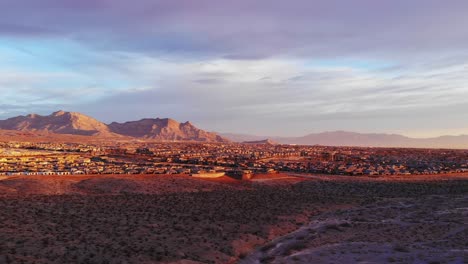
429, 229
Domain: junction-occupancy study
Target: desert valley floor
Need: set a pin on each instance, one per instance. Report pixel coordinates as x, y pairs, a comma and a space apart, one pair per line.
270, 219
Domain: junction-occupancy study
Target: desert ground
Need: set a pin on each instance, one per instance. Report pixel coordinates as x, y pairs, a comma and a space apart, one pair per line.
270, 219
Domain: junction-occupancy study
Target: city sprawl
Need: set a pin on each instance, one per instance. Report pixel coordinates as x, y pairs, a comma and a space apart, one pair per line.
210, 159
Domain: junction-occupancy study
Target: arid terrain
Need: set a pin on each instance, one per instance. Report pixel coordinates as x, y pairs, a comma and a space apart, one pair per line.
61, 123
427, 229
179, 219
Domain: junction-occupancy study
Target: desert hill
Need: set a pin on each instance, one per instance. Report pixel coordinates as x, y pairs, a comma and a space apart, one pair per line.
264, 141
164, 129
38, 136
77, 124
59, 122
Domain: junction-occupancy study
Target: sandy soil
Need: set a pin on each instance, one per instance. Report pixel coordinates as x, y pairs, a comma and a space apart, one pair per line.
109, 184
179, 219
403, 221
430, 229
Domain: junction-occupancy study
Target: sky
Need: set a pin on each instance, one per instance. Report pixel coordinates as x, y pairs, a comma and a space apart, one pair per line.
264, 67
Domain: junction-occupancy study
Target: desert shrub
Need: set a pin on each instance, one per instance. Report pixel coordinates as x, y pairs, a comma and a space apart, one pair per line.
400, 248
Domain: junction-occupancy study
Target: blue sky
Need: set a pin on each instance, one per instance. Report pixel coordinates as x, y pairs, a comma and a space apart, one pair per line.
259, 67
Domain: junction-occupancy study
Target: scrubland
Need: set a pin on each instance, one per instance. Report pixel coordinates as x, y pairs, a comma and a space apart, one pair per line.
178, 219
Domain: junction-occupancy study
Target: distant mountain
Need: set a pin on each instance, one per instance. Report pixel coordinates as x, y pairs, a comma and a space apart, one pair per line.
343, 138
265, 142
164, 129
72, 123
241, 137
59, 122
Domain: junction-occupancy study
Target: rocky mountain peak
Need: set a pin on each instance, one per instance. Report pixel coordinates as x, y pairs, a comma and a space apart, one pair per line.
63, 122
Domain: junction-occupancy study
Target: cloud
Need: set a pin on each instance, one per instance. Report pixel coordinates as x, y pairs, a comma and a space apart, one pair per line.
248, 30
265, 66
238, 98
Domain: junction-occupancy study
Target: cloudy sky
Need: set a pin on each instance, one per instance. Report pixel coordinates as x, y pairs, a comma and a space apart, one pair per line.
261, 67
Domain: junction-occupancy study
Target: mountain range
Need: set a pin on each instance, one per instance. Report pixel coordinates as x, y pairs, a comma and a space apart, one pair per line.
72, 123
83, 127
344, 138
